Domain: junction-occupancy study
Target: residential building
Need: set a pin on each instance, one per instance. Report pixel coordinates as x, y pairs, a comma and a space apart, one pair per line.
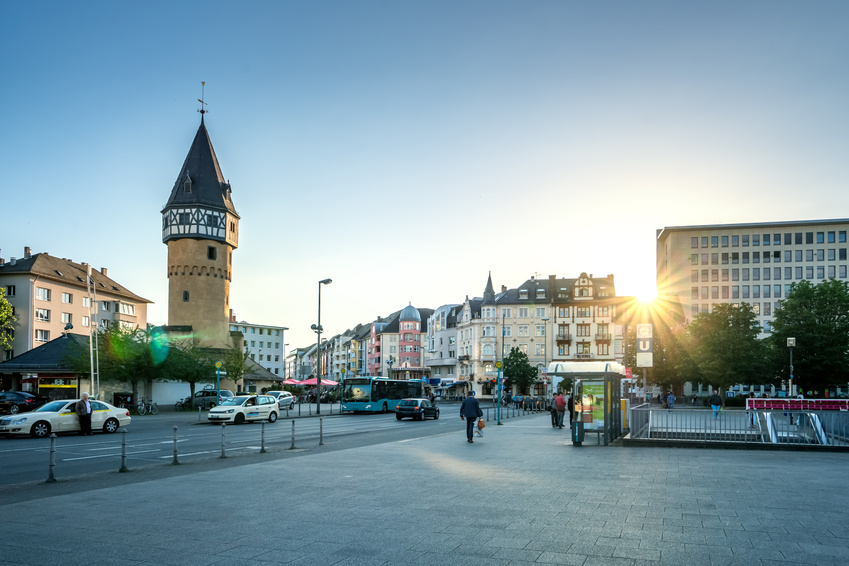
441, 340
49, 296
265, 345
754, 263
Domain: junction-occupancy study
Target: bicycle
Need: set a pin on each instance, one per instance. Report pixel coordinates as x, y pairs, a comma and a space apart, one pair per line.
183, 404
146, 406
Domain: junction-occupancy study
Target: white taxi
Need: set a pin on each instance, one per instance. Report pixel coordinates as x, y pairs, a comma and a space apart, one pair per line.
243, 408
61, 416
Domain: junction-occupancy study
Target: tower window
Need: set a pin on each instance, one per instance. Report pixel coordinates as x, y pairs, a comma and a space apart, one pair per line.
185, 296
187, 185
211, 253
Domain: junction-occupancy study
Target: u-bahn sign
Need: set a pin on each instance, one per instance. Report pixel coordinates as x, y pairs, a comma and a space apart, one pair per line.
644, 346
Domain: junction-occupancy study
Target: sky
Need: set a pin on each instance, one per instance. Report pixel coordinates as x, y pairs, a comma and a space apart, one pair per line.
407, 149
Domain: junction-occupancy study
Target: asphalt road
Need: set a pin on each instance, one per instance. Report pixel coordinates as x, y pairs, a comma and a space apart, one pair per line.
150, 441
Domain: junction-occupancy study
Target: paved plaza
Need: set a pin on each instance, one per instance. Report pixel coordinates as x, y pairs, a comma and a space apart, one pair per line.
521, 495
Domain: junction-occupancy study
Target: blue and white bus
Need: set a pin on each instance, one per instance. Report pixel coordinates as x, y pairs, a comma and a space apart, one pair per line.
377, 394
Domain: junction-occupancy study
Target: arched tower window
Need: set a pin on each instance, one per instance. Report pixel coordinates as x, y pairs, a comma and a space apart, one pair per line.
185, 296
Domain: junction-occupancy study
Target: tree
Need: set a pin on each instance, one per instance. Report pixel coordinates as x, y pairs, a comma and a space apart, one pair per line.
725, 348
124, 356
234, 364
186, 362
518, 370
817, 316
6, 322
671, 362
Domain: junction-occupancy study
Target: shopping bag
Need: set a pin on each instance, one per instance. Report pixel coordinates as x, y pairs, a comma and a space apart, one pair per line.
481, 424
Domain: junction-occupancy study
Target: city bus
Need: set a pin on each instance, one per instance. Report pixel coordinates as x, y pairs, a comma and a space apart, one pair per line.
377, 394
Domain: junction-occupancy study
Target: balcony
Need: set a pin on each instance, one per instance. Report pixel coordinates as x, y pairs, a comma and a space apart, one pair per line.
464, 358
602, 338
563, 337
583, 356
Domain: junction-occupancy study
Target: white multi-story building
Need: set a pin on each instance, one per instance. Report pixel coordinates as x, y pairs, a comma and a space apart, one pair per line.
700, 266
441, 345
265, 345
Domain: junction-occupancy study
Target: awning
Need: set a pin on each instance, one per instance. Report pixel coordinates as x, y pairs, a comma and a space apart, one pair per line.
455, 383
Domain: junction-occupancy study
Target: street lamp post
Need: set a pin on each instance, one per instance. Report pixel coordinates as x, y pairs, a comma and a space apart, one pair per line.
317, 328
791, 342
283, 341
545, 320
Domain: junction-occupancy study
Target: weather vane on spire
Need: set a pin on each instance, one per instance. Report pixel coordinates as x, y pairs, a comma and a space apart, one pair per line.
202, 103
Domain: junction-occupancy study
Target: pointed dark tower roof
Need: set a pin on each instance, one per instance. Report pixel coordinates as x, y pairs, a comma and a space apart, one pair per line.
207, 186
489, 292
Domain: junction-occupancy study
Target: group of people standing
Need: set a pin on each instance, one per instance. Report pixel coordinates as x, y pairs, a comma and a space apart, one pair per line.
559, 405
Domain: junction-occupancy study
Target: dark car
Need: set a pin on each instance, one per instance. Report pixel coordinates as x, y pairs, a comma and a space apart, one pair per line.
208, 398
418, 409
14, 402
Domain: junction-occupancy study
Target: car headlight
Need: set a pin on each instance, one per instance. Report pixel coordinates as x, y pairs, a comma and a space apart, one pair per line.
21, 420
230, 410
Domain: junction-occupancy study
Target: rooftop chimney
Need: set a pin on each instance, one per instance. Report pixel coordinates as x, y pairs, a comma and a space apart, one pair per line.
103, 271
503, 288
12, 261
27, 252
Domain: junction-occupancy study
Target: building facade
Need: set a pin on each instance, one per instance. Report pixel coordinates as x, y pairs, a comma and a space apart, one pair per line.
49, 296
700, 266
266, 345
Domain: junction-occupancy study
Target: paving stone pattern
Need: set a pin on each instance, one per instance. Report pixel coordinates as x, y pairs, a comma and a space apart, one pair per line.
521, 495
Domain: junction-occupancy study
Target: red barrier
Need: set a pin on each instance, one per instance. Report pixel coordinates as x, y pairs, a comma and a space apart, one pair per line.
798, 404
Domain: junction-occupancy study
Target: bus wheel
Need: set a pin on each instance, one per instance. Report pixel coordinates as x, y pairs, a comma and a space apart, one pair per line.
385, 408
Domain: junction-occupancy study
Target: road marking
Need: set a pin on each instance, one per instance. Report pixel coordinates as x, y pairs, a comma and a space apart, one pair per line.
107, 455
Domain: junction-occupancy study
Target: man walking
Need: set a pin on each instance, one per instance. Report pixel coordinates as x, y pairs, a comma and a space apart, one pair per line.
560, 404
83, 410
470, 410
670, 400
715, 402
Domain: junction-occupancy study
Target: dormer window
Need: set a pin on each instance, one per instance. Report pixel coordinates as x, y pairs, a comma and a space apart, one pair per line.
523, 293
540, 293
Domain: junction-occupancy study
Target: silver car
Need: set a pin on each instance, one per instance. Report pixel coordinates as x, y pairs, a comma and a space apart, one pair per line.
285, 400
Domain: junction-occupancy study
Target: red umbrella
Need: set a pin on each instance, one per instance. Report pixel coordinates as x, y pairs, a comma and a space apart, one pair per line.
311, 381
291, 382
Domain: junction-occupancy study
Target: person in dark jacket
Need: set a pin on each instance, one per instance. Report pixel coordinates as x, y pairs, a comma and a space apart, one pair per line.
470, 410
715, 402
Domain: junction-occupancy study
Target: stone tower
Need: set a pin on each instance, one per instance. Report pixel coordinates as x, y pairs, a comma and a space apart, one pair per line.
200, 226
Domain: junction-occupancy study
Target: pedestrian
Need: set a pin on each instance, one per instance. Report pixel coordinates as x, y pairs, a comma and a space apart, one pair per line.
694, 399
715, 403
560, 405
552, 408
670, 400
660, 399
570, 404
83, 410
470, 410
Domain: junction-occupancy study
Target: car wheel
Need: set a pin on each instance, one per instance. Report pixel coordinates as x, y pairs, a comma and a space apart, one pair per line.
398, 417
14, 410
272, 417
436, 414
40, 429
211, 405
111, 425
240, 418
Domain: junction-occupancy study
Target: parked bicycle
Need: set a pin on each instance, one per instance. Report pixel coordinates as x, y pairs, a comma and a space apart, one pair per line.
183, 404
147, 406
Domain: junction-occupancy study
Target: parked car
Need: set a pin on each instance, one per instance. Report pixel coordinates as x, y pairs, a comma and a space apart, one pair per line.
61, 416
285, 400
243, 408
418, 409
207, 398
14, 402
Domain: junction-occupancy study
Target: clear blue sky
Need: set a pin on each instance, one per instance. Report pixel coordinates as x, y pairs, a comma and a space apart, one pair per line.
516, 137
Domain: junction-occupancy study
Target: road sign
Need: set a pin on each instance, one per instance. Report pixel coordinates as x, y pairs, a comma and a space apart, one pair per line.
218, 365
499, 364
644, 346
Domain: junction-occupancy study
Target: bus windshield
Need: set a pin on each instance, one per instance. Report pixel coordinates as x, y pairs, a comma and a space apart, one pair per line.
357, 390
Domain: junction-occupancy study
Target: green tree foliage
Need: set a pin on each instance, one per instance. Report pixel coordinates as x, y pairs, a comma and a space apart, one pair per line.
124, 356
6, 321
234, 364
817, 316
724, 346
186, 362
672, 365
518, 371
